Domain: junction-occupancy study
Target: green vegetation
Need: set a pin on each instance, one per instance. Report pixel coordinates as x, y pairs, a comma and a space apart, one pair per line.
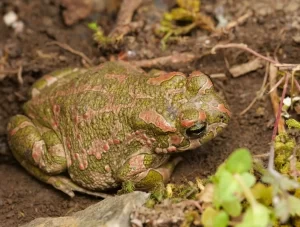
235, 196
188, 13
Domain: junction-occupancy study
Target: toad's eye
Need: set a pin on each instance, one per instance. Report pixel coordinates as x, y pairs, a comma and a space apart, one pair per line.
196, 130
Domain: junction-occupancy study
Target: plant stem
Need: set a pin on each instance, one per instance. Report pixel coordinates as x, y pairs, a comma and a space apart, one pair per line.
278, 116
248, 194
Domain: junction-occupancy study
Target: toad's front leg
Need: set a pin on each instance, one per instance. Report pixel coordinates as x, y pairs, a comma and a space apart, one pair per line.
147, 170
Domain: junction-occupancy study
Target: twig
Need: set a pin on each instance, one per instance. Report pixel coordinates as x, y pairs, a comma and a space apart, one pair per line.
171, 59
257, 97
243, 47
70, 49
276, 85
279, 123
9, 71
125, 15
265, 155
238, 21
19, 75
260, 93
297, 85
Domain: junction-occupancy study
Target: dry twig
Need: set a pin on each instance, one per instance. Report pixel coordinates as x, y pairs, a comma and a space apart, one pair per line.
242, 47
123, 24
239, 20
20, 78
76, 52
171, 59
275, 98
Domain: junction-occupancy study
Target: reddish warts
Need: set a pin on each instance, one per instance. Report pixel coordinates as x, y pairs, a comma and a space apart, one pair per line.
222, 108
120, 78
152, 117
113, 123
187, 123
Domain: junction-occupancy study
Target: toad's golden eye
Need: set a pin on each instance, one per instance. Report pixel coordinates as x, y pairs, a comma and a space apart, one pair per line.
196, 131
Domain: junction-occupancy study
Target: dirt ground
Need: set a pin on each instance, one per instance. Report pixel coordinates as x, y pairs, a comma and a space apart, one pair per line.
273, 29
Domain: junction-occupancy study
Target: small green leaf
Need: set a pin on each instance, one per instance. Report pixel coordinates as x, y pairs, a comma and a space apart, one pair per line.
239, 161
208, 216
281, 181
233, 208
180, 14
262, 193
281, 208
93, 26
248, 179
226, 188
221, 219
258, 216
294, 205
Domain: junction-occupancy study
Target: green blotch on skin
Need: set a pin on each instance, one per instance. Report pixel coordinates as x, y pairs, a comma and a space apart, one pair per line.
148, 158
150, 180
40, 84
195, 83
207, 137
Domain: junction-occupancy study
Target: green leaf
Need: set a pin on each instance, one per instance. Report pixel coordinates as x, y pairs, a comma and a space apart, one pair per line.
226, 188
233, 208
262, 193
221, 219
239, 161
281, 181
281, 209
294, 204
93, 26
256, 216
208, 216
179, 14
248, 179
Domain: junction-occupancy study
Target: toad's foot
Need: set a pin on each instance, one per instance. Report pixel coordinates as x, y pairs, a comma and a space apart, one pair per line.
147, 178
65, 185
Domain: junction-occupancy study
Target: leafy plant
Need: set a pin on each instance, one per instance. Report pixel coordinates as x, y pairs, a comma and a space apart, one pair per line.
188, 12
99, 36
234, 196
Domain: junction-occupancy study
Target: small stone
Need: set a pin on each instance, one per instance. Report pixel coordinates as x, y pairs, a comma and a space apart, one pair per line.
260, 112
10, 18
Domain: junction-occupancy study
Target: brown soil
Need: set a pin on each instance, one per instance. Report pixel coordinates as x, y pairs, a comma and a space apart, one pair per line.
272, 27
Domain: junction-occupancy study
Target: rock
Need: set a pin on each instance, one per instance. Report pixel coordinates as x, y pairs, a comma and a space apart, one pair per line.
110, 212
